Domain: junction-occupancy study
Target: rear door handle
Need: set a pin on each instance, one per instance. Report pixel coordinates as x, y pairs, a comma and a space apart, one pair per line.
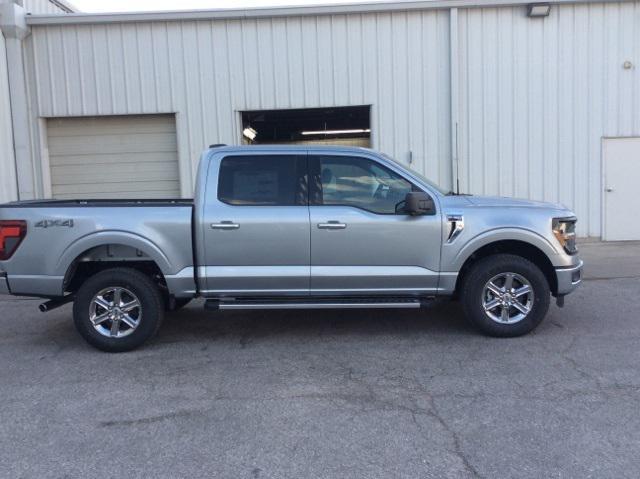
225, 225
332, 225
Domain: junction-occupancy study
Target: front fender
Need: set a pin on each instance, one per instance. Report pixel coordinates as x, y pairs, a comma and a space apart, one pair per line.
454, 258
102, 238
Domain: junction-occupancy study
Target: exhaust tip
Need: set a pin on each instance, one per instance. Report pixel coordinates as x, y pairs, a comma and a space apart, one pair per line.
43, 308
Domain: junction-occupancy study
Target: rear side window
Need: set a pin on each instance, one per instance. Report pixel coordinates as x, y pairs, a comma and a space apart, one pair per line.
263, 180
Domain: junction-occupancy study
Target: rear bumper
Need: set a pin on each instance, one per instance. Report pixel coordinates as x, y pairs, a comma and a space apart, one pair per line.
4, 285
569, 278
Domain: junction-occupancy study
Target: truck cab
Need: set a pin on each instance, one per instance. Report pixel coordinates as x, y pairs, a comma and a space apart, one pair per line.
314, 222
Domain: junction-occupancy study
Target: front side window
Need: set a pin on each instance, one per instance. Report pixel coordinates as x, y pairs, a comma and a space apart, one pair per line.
358, 182
263, 180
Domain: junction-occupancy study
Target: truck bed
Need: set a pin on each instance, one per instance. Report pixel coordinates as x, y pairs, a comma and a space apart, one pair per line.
60, 234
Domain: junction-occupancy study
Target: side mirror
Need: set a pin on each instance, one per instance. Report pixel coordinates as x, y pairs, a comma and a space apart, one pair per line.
419, 203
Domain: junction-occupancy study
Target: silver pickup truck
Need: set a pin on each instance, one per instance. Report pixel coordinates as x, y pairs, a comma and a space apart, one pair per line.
289, 227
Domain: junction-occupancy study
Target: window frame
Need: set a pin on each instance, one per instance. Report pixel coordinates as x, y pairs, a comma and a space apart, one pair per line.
313, 192
301, 161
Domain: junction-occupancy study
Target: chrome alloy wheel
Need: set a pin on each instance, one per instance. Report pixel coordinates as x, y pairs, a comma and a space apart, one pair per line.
507, 298
115, 312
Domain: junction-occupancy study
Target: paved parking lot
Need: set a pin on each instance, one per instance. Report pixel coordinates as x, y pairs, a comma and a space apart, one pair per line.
333, 394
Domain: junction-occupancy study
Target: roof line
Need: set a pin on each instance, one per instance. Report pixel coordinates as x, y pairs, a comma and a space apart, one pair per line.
229, 14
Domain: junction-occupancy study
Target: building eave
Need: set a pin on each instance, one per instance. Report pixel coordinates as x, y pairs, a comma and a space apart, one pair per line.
230, 14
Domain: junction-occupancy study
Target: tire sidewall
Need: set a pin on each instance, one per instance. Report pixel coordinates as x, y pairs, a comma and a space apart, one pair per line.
491, 266
152, 308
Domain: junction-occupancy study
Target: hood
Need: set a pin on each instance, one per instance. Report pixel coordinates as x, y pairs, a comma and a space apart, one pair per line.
503, 201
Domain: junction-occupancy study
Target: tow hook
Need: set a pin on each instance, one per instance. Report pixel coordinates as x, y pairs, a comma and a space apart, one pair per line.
560, 300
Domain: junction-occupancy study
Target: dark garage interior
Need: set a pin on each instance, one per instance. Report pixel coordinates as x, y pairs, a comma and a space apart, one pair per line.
349, 125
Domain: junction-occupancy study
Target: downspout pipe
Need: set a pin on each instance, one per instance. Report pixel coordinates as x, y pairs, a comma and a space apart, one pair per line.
14, 28
454, 86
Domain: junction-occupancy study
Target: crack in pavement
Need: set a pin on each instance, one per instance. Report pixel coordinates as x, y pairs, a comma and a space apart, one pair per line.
433, 412
149, 419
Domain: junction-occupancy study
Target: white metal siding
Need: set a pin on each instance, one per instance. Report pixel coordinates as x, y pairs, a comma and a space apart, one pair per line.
113, 157
535, 95
207, 71
8, 185
538, 95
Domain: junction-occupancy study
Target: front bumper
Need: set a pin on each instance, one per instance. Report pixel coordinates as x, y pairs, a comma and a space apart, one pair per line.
569, 278
4, 285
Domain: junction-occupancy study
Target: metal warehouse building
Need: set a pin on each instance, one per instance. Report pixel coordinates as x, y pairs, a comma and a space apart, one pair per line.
480, 93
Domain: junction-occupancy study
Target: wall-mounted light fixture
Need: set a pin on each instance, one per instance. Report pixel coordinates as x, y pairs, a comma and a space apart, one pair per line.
250, 133
535, 10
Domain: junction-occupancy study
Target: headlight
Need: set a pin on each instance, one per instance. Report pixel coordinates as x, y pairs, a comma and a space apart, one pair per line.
564, 229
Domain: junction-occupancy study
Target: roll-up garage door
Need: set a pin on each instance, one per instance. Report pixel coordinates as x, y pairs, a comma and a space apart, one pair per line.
113, 157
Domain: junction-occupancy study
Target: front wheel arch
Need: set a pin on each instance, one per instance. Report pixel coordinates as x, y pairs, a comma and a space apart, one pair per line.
514, 247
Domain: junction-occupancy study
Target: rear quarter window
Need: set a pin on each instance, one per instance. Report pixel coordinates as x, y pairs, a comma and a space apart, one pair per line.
263, 180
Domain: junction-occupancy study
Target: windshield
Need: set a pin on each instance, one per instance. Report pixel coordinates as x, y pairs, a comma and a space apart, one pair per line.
420, 176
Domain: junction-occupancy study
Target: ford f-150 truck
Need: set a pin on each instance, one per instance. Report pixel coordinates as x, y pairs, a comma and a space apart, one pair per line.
289, 227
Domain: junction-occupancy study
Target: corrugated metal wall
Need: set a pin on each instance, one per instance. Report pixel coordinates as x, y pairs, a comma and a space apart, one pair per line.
537, 96
8, 189
206, 71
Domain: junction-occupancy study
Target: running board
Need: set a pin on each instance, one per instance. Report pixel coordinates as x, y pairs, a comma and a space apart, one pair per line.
378, 303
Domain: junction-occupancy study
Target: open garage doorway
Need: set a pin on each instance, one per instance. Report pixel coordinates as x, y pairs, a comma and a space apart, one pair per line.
343, 126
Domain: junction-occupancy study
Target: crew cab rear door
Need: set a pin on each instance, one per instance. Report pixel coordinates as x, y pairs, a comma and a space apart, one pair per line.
256, 225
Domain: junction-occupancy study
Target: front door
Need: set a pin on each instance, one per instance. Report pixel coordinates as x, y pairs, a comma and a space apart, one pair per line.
362, 243
621, 158
256, 226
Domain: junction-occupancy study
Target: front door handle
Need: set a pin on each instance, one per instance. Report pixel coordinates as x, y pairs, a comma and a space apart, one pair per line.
225, 225
332, 225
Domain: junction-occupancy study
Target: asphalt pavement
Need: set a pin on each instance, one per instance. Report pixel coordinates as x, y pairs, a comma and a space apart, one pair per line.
333, 394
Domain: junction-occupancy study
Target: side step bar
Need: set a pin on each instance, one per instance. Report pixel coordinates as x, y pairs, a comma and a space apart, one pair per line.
374, 303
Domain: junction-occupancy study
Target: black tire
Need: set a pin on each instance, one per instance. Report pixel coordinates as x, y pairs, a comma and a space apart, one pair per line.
149, 314
178, 303
473, 295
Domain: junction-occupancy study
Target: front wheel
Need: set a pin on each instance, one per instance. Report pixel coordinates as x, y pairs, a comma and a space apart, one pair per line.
118, 310
505, 295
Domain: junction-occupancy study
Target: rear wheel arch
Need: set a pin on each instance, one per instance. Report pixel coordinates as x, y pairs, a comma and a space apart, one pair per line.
108, 256
122, 239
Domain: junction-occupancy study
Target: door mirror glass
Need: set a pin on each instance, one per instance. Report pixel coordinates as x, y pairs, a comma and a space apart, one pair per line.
419, 203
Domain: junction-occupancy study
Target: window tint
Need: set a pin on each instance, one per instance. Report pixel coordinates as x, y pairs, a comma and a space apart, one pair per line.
358, 182
263, 180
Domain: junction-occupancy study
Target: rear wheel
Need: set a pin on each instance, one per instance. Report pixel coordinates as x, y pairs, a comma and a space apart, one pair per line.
118, 309
505, 295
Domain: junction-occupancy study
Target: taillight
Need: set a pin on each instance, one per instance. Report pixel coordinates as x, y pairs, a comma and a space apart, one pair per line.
11, 235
